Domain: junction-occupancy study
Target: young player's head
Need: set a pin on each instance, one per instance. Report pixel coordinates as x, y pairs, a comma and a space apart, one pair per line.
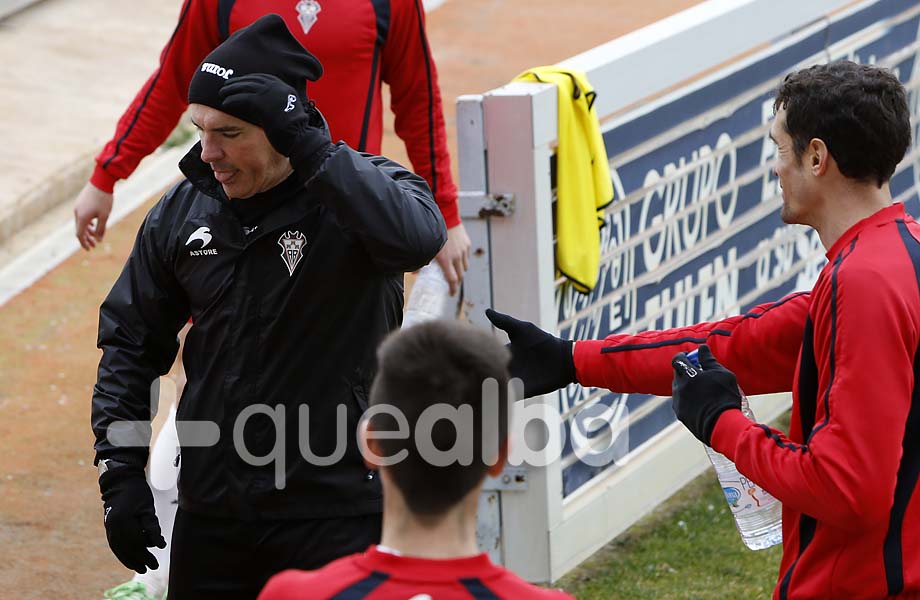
858, 111
450, 382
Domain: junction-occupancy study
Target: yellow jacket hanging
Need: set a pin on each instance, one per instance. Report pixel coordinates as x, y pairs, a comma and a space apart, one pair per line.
583, 185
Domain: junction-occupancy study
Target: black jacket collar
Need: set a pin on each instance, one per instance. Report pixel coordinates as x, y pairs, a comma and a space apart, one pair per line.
199, 173
262, 213
201, 176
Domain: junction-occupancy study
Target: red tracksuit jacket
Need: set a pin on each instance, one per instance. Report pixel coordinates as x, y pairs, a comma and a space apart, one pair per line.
848, 350
360, 43
379, 575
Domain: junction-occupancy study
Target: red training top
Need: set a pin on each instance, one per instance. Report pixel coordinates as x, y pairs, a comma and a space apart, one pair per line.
847, 471
379, 575
360, 43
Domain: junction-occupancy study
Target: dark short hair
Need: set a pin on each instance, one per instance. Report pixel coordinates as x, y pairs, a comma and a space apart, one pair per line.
859, 111
439, 362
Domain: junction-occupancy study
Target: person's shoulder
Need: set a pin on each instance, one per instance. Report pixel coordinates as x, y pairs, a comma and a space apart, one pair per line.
888, 232
320, 583
857, 264
285, 584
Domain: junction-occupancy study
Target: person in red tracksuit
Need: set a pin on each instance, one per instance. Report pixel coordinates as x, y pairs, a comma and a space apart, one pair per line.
428, 546
361, 44
847, 471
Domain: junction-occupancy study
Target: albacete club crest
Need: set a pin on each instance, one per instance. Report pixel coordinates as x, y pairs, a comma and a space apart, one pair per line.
292, 244
307, 13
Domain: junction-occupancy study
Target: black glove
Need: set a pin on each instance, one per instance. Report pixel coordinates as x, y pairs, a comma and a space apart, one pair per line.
131, 524
295, 131
541, 360
701, 394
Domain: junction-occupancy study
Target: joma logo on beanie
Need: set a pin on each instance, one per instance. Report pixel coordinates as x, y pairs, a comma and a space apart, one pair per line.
216, 70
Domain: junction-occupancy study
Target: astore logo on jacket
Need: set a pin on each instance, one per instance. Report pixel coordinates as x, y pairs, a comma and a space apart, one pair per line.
202, 234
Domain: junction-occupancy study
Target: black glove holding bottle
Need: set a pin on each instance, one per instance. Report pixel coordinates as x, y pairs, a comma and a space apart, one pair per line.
541, 360
131, 524
700, 394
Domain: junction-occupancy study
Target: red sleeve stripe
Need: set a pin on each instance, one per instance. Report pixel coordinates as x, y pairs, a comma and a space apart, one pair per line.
371, 90
909, 469
832, 359
363, 588
150, 86
224, 8
662, 343
423, 40
699, 340
382, 15
778, 440
807, 526
478, 589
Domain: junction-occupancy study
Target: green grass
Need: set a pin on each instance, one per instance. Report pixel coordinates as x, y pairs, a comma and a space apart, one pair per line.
687, 549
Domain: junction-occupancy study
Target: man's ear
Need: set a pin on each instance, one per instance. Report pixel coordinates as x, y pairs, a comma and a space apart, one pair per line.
369, 447
496, 469
817, 157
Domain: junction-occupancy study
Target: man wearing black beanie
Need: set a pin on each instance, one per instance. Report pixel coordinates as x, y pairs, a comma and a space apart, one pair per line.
242, 63
288, 252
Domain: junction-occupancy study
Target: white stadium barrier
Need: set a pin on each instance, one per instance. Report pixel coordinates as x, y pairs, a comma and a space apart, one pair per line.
693, 234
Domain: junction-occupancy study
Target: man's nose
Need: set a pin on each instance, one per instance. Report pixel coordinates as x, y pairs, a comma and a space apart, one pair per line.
211, 150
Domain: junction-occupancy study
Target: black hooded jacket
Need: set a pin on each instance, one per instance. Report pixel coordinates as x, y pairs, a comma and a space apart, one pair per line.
288, 304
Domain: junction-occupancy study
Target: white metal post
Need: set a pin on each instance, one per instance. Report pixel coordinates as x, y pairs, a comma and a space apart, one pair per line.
520, 122
473, 180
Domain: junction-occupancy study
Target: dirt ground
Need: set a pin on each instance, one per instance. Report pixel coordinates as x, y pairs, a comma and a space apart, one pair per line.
52, 543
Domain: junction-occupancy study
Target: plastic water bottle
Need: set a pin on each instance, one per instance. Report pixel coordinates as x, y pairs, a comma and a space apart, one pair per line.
758, 515
430, 297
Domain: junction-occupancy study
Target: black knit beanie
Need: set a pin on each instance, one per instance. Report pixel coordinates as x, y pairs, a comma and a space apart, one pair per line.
266, 46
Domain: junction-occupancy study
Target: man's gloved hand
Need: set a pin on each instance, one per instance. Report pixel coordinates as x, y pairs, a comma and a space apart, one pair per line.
295, 130
131, 524
700, 394
541, 360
